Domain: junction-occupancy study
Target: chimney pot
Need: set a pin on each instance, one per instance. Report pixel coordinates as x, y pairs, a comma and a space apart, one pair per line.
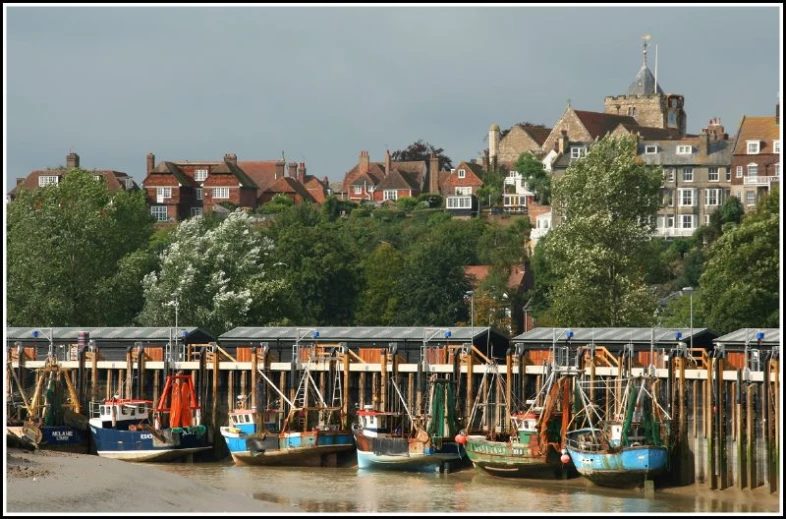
151, 162
230, 157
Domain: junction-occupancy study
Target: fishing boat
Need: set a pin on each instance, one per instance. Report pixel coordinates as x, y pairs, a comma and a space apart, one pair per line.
139, 430
51, 418
396, 440
519, 441
308, 431
627, 448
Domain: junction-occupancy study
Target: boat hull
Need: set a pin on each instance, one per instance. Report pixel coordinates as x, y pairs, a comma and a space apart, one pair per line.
148, 445
287, 449
627, 467
509, 460
405, 454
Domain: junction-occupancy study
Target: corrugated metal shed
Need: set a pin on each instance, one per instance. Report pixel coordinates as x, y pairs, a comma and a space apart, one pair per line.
355, 334
702, 337
772, 337
113, 334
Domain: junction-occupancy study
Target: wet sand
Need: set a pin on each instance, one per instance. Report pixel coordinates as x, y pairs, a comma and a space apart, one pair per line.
47, 481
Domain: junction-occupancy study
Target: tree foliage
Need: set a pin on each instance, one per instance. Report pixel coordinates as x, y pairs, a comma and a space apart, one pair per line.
608, 201
71, 252
216, 277
740, 285
536, 177
420, 150
379, 301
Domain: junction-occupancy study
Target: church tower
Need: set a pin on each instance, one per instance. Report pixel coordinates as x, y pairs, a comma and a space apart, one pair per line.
646, 102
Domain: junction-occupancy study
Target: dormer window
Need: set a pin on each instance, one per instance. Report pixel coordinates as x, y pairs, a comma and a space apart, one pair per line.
46, 180
200, 175
684, 150
97, 177
753, 147
649, 150
462, 173
577, 152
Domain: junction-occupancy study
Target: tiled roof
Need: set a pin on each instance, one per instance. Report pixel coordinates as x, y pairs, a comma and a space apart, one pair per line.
537, 133
478, 273
316, 188
170, 168
398, 180
757, 128
365, 179
115, 180
290, 185
228, 168
262, 172
666, 155
647, 132
644, 84
599, 124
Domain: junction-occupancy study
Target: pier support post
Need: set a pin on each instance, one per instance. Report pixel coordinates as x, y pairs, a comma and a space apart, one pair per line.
750, 437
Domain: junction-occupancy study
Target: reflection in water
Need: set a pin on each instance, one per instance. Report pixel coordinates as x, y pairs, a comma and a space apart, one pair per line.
343, 490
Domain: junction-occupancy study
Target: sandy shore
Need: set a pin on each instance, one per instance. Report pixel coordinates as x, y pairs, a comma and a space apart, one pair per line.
46, 481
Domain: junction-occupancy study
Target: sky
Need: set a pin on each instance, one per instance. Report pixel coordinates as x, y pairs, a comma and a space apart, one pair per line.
321, 84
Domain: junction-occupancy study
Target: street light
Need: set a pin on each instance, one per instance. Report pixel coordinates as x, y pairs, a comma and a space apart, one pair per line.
690, 291
471, 293
51, 336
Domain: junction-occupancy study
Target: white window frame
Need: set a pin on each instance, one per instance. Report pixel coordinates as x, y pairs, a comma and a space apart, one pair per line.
713, 171
684, 149
728, 174
462, 173
577, 152
707, 219
687, 194
357, 190
776, 146
739, 172
159, 212
685, 218
218, 193
670, 174
753, 170
200, 175
390, 194
753, 147
197, 211
670, 194
650, 149
163, 193
48, 180
463, 190
687, 174
459, 202
710, 200
199, 193
750, 198
669, 221
660, 222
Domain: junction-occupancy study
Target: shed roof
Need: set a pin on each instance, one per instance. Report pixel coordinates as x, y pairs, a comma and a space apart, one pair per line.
356, 334
610, 335
138, 333
772, 336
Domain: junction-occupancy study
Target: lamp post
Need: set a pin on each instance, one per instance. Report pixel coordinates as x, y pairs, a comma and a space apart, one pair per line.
471, 293
51, 336
690, 291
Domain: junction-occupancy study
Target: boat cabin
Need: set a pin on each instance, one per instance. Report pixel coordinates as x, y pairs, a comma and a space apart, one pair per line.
245, 420
120, 414
375, 423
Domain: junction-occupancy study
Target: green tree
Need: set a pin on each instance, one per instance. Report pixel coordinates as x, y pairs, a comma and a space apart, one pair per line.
420, 150
608, 202
741, 281
65, 244
490, 194
536, 177
216, 278
379, 302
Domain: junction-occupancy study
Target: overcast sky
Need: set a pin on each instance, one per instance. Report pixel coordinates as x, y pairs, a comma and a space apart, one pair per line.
323, 83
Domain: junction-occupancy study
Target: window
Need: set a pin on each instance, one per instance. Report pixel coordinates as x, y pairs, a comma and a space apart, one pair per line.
459, 202
670, 221
465, 190
753, 170
357, 190
462, 173
739, 171
221, 192
778, 169
687, 174
712, 174
159, 213
686, 197
669, 174
667, 197
686, 221
750, 198
164, 192
660, 222
706, 219
776, 146
198, 193
632, 111
389, 194
684, 150
97, 177
576, 152
196, 211
728, 174
649, 150
712, 196
47, 180
753, 147
200, 175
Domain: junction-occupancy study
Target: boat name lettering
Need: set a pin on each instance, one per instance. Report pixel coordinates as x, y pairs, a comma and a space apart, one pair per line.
61, 435
146, 436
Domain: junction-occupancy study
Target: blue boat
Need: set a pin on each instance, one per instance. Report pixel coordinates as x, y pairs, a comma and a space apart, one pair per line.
136, 430
625, 450
310, 435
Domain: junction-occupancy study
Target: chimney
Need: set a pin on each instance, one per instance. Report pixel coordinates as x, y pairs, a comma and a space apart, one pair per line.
387, 162
230, 157
151, 162
72, 160
292, 169
433, 168
562, 142
485, 160
363, 163
279, 169
704, 143
301, 173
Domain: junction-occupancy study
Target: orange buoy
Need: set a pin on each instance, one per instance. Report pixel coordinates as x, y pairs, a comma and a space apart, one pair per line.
565, 458
461, 439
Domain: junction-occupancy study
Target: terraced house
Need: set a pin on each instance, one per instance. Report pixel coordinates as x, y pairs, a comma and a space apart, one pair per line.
756, 163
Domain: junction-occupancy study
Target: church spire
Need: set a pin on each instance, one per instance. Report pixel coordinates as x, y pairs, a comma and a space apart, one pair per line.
646, 38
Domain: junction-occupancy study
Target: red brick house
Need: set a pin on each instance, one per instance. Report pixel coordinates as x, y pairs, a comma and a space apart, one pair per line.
368, 180
115, 180
463, 180
756, 160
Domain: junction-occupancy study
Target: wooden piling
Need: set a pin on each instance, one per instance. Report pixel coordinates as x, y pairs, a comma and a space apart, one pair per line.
713, 429
94, 374
362, 391
739, 443
383, 374
108, 384
775, 428
723, 466
708, 418
470, 395
767, 415
345, 404
214, 407
694, 403
508, 389
254, 368
733, 411
243, 388
156, 386
141, 366
750, 438
375, 390
410, 389
129, 393
231, 390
